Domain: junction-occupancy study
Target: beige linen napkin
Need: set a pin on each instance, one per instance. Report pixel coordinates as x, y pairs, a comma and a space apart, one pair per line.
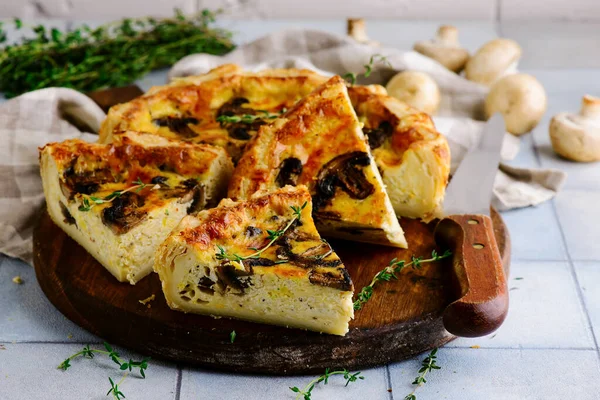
56, 114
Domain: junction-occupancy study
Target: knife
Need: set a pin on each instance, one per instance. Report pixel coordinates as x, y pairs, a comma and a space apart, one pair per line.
467, 230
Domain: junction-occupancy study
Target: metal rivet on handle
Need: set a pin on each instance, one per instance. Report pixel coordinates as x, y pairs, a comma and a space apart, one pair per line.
478, 246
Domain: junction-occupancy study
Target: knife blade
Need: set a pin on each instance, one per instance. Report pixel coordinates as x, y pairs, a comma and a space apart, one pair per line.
479, 280
470, 190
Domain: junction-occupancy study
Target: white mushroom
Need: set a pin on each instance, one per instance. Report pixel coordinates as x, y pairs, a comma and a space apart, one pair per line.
521, 100
445, 49
357, 30
492, 61
577, 136
417, 89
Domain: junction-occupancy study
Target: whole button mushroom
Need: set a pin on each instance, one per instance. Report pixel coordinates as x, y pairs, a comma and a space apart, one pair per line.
577, 136
445, 49
417, 89
492, 61
521, 100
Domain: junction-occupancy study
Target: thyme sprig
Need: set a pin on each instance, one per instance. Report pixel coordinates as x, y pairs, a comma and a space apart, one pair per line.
389, 273
306, 392
351, 77
110, 55
127, 366
246, 118
90, 201
249, 118
427, 365
273, 235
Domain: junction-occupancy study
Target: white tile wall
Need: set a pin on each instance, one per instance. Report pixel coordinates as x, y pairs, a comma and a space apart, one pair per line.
579, 10
561, 10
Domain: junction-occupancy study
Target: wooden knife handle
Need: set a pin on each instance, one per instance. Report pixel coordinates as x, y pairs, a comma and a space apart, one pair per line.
478, 278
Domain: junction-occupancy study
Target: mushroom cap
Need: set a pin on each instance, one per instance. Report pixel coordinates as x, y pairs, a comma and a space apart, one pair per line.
417, 89
445, 49
493, 60
577, 136
521, 99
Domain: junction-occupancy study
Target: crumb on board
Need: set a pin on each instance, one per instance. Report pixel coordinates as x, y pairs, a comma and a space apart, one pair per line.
147, 301
2, 347
70, 336
18, 280
476, 346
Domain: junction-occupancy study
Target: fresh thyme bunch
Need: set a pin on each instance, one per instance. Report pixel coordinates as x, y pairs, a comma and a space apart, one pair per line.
111, 55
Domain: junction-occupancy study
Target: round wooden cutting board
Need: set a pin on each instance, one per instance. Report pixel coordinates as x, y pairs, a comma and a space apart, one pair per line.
402, 319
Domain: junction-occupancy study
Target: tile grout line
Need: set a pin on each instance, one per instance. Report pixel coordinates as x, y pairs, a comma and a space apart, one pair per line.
5, 342
571, 266
498, 18
178, 383
388, 378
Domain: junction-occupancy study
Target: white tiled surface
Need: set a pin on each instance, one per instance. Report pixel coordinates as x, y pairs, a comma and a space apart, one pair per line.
545, 350
211, 385
29, 372
545, 311
494, 374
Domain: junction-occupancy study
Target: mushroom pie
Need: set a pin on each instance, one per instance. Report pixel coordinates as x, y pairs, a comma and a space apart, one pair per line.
260, 260
412, 157
224, 107
120, 201
319, 143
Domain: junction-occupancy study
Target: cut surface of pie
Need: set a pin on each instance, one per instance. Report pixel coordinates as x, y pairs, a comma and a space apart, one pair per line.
260, 260
120, 201
413, 158
209, 108
319, 143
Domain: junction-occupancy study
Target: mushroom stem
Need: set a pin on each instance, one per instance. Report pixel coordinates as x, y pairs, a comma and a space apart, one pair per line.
447, 34
356, 29
590, 107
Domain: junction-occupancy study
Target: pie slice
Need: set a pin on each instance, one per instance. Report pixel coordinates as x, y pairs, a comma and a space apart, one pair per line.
319, 143
411, 155
224, 107
120, 201
260, 260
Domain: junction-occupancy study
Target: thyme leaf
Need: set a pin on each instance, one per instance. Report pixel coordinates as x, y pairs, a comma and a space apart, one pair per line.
110, 55
272, 237
351, 77
389, 273
90, 201
306, 392
427, 365
248, 118
128, 366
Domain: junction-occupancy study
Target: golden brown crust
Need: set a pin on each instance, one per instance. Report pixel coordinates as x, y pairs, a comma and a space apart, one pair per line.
187, 109
157, 168
135, 155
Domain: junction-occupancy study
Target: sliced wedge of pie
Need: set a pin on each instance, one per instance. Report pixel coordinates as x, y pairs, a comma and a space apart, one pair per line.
120, 201
319, 143
412, 156
260, 260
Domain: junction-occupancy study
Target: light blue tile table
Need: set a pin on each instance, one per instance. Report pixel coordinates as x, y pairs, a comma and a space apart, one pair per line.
547, 349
